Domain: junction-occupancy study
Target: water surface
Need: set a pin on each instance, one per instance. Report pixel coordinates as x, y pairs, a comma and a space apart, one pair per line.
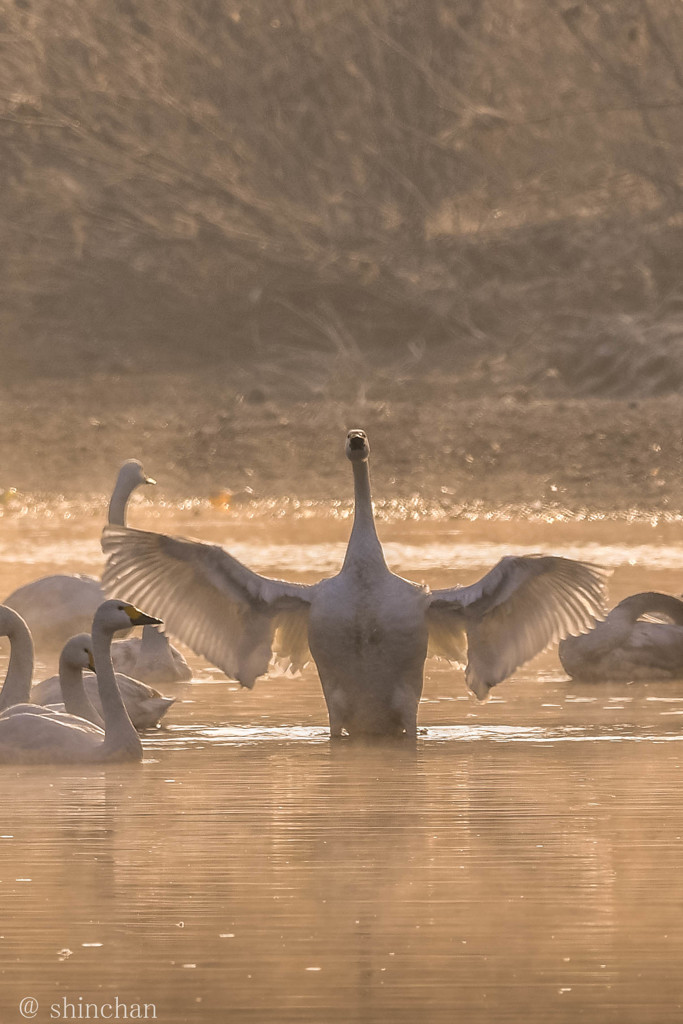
521, 863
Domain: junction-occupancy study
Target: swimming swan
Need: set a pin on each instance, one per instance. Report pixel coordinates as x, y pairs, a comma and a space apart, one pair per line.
76, 656
151, 659
16, 692
367, 629
55, 738
145, 705
623, 649
16, 688
56, 607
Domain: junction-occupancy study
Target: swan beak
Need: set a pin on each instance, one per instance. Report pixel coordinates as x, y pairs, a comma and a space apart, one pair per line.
91, 663
139, 618
149, 480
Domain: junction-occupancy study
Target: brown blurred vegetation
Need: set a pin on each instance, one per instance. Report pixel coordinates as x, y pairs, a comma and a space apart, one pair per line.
312, 187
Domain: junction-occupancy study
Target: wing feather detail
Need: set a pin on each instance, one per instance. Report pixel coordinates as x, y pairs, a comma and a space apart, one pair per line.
524, 604
209, 600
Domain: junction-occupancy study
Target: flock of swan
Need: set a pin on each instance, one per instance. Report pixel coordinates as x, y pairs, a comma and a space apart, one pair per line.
34, 733
368, 631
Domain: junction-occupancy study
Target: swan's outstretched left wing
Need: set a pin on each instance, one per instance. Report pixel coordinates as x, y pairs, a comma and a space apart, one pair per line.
520, 607
221, 609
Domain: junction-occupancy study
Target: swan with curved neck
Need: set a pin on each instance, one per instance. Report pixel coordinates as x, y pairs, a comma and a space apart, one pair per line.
16, 688
59, 606
130, 476
145, 705
367, 629
27, 737
622, 648
76, 656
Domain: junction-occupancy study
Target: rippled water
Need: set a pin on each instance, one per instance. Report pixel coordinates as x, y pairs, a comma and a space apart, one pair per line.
521, 863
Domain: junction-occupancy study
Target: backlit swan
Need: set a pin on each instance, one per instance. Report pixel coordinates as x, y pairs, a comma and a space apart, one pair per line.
367, 629
56, 738
16, 688
76, 656
150, 658
145, 705
16, 691
623, 649
56, 607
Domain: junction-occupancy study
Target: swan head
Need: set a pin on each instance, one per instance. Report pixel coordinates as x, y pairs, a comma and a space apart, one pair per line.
77, 652
133, 475
114, 615
357, 447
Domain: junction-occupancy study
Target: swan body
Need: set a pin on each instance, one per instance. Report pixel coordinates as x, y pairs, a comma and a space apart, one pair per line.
370, 655
150, 658
58, 606
367, 629
622, 648
28, 736
145, 705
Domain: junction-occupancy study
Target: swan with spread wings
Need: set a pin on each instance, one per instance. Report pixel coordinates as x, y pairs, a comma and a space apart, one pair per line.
367, 629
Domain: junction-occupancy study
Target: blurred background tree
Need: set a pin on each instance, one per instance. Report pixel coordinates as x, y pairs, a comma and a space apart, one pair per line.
307, 186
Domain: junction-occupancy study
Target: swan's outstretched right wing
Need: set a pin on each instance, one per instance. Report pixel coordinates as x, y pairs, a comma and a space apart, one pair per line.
209, 600
513, 612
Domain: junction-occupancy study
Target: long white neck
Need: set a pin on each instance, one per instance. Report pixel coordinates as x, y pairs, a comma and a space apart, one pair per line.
631, 608
17, 686
124, 487
616, 628
76, 700
119, 733
363, 543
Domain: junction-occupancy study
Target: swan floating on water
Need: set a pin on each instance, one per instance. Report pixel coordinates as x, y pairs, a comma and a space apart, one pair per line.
150, 658
367, 629
31, 736
76, 656
622, 648
16, 688
56, 607
145, 705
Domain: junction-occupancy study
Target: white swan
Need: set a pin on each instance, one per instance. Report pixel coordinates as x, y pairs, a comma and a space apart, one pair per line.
53, 738
367, 629
624, 649
76, 656
56, 607
16, 688
150, 658
145, 705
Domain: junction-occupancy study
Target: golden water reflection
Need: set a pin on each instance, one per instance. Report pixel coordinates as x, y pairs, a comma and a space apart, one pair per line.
522, 862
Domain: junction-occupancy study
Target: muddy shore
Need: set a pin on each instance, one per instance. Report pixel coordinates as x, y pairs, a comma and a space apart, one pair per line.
199, 434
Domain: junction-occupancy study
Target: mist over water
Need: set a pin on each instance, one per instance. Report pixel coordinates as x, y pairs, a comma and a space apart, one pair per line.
521, 862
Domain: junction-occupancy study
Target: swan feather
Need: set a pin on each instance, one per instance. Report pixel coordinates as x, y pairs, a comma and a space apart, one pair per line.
210, 600
520, 607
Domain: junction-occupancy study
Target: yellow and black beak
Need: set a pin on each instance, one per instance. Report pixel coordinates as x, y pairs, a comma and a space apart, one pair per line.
91, 662
139, 618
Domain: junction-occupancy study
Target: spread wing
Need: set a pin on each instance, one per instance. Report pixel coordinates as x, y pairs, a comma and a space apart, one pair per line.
516, 610
221, 609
